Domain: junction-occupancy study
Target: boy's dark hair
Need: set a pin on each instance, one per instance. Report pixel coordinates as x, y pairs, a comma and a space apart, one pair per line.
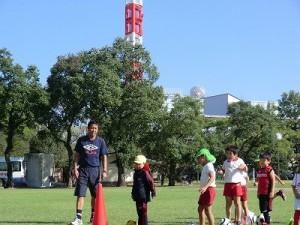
232, 148
265, 155
92, 122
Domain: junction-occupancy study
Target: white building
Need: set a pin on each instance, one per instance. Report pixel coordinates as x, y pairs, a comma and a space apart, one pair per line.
264, 104
170, 95
217, 105
214, 106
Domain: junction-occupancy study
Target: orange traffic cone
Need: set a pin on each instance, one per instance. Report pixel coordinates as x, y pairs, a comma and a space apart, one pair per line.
99, 211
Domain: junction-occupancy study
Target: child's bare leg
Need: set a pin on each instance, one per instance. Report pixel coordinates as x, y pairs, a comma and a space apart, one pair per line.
201, 213
245, 208
228, 206
210, 216
238, 208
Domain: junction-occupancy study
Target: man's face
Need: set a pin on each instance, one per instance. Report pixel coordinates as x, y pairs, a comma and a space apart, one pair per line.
93, 130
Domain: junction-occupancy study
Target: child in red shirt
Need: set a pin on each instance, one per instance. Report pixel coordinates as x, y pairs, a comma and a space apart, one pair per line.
266, 185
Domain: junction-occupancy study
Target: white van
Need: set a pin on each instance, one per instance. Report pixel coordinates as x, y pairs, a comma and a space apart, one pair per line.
19, 168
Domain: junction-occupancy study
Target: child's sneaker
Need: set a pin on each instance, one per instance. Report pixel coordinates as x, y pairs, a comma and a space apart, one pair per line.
282, 194
76, 222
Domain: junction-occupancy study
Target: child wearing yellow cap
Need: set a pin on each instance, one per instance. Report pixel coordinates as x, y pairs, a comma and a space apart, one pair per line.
143, 185
207, 186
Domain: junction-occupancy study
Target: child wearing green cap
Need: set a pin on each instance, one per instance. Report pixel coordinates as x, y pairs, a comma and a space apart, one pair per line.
207, 186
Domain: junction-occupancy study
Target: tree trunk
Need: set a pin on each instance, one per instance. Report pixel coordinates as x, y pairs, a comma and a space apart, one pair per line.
69, 172
121, 173
68, 179
172, 174
70, 156
162, 182
7, 153
10, 181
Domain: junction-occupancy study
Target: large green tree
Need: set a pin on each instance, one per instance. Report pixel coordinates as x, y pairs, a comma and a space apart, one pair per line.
126, 125
21, 98
131, 123
78, 85
178, 136
216, 132
105, 84
289, 113
255, 129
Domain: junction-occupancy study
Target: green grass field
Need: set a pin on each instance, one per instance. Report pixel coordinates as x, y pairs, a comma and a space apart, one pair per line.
173, 205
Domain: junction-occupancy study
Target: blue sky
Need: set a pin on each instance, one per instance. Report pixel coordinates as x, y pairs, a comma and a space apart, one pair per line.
248, 48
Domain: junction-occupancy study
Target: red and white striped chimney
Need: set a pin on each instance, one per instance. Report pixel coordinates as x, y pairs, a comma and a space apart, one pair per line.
134, 21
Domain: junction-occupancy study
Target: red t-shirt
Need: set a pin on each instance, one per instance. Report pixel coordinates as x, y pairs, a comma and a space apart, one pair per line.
264, 180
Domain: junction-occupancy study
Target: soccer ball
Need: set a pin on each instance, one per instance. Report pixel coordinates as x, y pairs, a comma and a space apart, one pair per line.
131, 222
260, 219
225, 221
252, 216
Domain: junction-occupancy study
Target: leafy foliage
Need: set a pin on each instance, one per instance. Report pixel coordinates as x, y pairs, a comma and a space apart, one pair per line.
179, 136
115, 85
79, 84
44, 142
289, 113
254, 130
216, 133
21, 98
126, 124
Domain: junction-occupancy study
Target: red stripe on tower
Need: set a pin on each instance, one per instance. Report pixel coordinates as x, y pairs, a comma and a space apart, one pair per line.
134, 21
134, 32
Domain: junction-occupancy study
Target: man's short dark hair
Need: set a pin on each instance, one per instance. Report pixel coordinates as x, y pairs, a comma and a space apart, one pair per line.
232, 148
92, 122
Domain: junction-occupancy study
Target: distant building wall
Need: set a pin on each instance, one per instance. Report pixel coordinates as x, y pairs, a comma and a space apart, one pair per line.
170, 95
218, 105
264, 104
214, 106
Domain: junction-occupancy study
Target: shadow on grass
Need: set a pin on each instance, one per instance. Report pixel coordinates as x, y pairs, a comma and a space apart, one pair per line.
32, 222
167, 223
187, 221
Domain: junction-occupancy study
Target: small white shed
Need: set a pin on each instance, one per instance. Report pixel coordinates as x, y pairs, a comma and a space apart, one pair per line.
39, 169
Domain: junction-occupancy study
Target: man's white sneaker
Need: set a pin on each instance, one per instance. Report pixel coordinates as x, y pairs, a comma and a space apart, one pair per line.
76, 222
